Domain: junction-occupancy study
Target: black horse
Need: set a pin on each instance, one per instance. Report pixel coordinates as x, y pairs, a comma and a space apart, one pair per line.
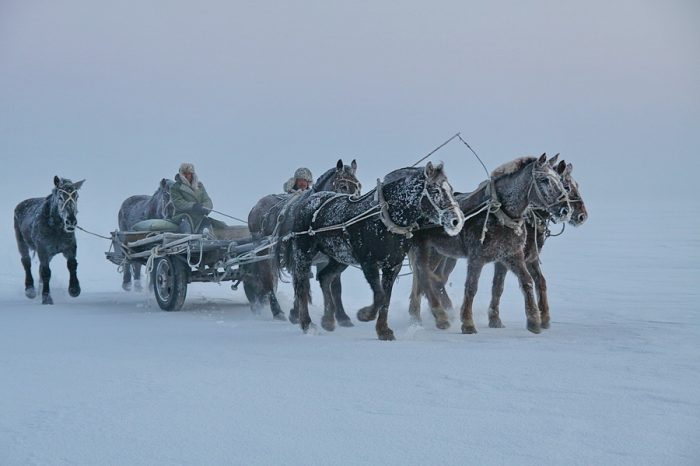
272, 216
47, 226
373, 231
143, 207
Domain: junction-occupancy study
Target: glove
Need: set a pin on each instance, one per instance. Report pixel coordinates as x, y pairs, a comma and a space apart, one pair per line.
198, 208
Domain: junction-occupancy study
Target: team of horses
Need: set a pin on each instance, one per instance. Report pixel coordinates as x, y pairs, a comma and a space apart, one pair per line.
410, 212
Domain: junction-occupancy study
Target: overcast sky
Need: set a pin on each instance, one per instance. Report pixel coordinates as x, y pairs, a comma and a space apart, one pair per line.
121, 92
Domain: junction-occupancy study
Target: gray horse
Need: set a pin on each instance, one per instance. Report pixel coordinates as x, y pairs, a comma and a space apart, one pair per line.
47, 226
537, 223
143, 207
497, 233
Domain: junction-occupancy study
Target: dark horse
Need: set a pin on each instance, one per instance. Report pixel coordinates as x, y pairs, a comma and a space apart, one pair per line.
372, 231
495, 233
143, 207
537, 225
272, 216
47, 226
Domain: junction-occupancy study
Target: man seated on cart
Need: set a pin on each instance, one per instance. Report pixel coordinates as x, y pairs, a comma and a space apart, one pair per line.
192, 203
301, 181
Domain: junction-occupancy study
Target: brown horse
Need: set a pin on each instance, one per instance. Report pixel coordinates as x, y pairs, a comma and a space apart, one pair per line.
494, 232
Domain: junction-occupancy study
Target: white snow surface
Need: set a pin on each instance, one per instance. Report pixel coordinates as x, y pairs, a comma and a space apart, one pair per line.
110, 378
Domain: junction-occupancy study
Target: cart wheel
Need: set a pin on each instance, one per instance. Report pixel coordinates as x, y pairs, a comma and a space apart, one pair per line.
169, 283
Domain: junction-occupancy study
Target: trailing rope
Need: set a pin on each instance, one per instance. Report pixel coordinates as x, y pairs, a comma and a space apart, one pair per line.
436, 149
93, 234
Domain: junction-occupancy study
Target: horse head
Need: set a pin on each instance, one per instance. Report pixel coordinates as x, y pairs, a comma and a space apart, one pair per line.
65, 201
340, 179
166, 208
579, 214
546, 191
437, 200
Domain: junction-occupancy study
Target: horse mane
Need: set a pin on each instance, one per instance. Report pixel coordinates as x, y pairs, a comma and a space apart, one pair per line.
511, 167
401, 173
324, 177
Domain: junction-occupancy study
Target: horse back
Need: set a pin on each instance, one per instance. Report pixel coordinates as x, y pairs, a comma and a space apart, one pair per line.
133, 210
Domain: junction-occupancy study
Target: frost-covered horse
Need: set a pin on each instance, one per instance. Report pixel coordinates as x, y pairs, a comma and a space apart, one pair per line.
372, 231
497, 233
537, 220
47, 227
272, 216
537, 232
143, 207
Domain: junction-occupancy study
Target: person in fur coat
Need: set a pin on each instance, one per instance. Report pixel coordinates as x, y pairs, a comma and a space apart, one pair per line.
191, 201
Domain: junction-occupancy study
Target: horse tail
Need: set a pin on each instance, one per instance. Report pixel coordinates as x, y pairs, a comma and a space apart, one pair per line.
22, 244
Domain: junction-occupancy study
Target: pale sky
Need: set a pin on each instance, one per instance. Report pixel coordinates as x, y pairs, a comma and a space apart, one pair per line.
121, 92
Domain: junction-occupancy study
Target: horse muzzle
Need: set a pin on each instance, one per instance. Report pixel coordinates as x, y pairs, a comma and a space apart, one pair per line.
69, 226
452, 221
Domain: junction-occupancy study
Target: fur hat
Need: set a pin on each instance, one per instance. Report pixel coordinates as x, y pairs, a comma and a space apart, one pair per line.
186, 168
304, 173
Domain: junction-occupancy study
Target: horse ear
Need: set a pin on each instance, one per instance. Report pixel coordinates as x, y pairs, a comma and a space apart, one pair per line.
353, 165
78, 184
553, 160
339, 165
164, 183
56, 181
440, 168
569, 168
429, 170
542, 159
561, 167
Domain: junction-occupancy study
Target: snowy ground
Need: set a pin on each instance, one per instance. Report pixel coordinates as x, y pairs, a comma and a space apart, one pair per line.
108, 378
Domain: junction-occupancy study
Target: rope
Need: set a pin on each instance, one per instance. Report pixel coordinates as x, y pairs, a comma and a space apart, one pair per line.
436, 149
229, 216
473, 152
93, 234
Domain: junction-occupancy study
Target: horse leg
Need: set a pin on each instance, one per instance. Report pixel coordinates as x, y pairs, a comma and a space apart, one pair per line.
541, 287
45, 274
277, 312
389, 275
516, 264
29, 290
414, 299
302, 288
447, 265
499, 278
137, 276
73, 283
126, 277
326, 276
341, 316
371, 273
471, 285
429, 283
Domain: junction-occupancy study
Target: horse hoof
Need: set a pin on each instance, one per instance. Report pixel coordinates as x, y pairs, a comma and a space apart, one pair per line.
345, 322
496, 323
328, 324
74, 291
534, 327
468, 329
293, 317
137, 286
30, 292
126, 286
545, 324
279, 316
386, 335
442, 324
366, 314
46, 299
309, 329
